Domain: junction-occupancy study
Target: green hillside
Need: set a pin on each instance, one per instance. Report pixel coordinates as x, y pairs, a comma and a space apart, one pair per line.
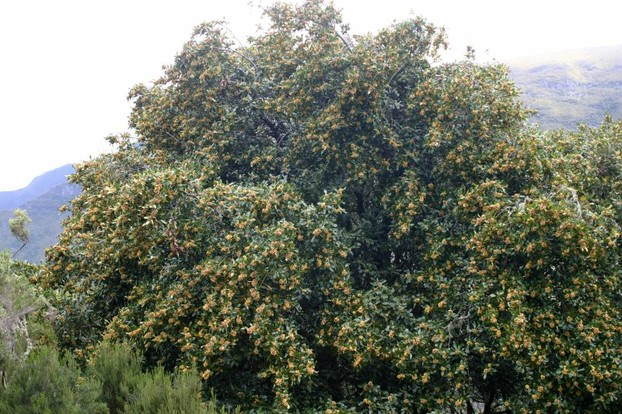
565, 89
46, 222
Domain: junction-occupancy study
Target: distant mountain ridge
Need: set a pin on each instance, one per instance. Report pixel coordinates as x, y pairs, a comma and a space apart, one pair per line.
567, 88
9, 200
42, 199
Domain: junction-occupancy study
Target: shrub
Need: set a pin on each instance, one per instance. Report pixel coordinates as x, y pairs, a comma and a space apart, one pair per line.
160, 393
118, 368
48, 383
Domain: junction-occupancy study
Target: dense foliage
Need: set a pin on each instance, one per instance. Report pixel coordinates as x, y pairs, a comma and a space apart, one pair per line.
319, 221
36, 378
113, 382
20, 302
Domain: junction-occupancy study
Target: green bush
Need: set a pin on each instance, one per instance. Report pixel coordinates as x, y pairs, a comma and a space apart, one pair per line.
113, 382
126, 389
158, 393
47, 383
118, 368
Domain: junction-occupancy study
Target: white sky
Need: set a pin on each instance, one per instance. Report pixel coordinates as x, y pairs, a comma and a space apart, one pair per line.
66, 66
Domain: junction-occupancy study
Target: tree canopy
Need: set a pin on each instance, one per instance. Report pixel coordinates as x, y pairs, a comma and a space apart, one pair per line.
323, 221
18, 225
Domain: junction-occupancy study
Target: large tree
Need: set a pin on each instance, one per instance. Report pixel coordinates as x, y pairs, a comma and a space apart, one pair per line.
320, 220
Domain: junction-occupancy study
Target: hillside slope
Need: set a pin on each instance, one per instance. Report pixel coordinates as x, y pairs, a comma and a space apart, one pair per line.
42, 200
9, 200
579, 86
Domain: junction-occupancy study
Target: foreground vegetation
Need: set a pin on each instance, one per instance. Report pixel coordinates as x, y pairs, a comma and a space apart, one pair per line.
318, 222
38, 378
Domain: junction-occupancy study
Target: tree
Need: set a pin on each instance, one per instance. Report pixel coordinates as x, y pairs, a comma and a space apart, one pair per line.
18, 225
321, 221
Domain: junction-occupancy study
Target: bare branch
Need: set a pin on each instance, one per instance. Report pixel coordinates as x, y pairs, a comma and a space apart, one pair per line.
344, 41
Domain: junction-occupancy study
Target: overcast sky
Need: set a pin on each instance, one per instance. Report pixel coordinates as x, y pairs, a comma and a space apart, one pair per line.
66, 65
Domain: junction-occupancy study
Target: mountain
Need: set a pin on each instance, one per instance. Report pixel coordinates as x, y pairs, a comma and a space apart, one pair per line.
578, 86
42, 199
9, 200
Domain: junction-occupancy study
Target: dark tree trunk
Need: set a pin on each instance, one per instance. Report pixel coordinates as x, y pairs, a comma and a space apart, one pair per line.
489, 402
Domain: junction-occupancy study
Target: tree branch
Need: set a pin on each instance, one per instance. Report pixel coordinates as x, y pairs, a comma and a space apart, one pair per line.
343, 41
19, 250
397, 72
